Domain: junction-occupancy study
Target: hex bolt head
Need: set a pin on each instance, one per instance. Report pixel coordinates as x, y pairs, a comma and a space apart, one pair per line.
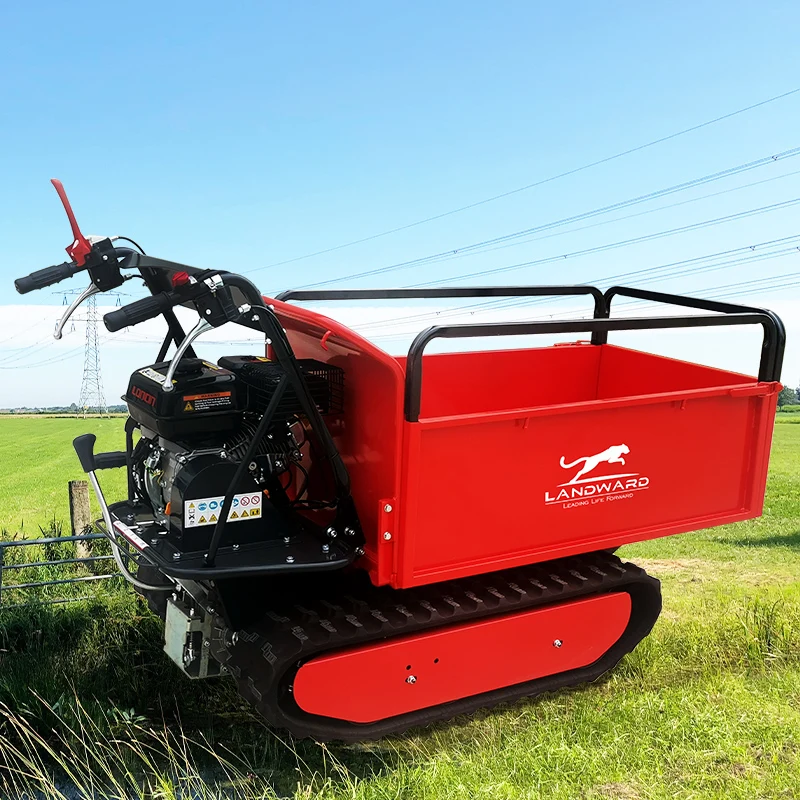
176, 556
557, 643
359, 551
326, 548
206, 643
287, 539
290, 559
411, 679
388, 508
332, 533
223, 454
387, 536
154, 541
235, 546
349, 532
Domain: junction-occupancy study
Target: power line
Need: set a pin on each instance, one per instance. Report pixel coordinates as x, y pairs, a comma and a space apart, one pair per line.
483, 247
760, 285
541, 182
626, 242
694, 264
604, 247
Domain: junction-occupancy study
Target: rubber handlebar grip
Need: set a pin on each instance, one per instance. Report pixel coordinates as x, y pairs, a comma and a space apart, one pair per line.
141, 310
46, 277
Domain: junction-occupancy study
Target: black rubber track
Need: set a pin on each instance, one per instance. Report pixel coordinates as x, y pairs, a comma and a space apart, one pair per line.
263, 658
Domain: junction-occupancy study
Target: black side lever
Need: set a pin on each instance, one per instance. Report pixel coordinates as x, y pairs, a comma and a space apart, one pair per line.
84, 447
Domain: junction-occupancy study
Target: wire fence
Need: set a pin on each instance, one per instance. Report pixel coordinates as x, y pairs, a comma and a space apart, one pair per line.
53, 570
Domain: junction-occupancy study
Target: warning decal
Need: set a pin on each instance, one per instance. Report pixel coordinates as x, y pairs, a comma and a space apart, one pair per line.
214, 401
149, 372
203, 510
132, 537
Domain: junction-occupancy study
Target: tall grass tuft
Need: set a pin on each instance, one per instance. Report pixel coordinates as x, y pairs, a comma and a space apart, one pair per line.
116, 756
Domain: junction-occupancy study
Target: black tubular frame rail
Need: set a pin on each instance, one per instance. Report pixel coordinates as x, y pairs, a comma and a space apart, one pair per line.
726, 314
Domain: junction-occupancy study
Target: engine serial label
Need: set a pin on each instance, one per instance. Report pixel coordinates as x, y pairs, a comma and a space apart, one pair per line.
212, 401
149, 372
206, 510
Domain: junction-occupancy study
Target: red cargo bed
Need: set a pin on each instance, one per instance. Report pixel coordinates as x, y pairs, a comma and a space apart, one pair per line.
470, 462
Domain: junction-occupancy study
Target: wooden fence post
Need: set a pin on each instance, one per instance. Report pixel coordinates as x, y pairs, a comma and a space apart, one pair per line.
80, 515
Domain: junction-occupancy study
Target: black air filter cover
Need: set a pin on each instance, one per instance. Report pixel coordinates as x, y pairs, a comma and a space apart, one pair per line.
261, 377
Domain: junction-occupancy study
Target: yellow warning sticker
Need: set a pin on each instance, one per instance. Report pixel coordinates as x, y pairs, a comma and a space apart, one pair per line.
244, 506
188, 407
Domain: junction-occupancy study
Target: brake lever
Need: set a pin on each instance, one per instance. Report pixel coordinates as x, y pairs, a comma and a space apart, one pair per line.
84, 295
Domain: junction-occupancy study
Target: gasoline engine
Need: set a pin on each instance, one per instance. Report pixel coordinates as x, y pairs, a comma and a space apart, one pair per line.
195, 431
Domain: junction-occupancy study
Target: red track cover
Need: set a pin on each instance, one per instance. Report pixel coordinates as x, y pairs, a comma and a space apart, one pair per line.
427, 669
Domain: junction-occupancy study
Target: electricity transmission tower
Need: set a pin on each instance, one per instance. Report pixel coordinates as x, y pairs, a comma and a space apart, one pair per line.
92, 396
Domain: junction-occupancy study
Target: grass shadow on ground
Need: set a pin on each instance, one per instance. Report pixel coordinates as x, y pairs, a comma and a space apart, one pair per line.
771, 540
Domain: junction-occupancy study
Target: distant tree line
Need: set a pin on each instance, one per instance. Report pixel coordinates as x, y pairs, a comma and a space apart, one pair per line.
789, 397
70, 409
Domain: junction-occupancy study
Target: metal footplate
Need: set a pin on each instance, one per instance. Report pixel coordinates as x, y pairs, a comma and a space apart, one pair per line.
301, 552
347, 661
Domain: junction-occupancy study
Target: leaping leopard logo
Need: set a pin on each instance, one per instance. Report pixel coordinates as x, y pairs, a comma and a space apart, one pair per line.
611, 455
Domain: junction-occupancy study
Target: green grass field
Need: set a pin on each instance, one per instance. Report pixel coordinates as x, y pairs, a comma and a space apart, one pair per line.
37, 461
707, 706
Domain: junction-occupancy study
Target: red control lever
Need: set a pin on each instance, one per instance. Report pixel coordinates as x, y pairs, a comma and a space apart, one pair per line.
80, 247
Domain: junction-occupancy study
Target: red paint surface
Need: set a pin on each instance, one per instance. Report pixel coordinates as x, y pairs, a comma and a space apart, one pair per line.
460, 661
467, 483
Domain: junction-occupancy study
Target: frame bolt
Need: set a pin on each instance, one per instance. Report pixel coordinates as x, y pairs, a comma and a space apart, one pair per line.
387, 536
411, 679
332, 533
235, 546
557, 643
326, 548
206, 643
176, 556
388, 508
349, 532
290, 559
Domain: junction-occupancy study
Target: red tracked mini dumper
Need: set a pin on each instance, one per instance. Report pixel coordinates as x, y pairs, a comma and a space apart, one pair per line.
367, 543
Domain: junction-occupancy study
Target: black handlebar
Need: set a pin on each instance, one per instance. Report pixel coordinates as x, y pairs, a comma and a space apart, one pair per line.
141, 310
46, 277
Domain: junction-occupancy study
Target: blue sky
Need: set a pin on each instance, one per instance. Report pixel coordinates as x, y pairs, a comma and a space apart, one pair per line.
241, 135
